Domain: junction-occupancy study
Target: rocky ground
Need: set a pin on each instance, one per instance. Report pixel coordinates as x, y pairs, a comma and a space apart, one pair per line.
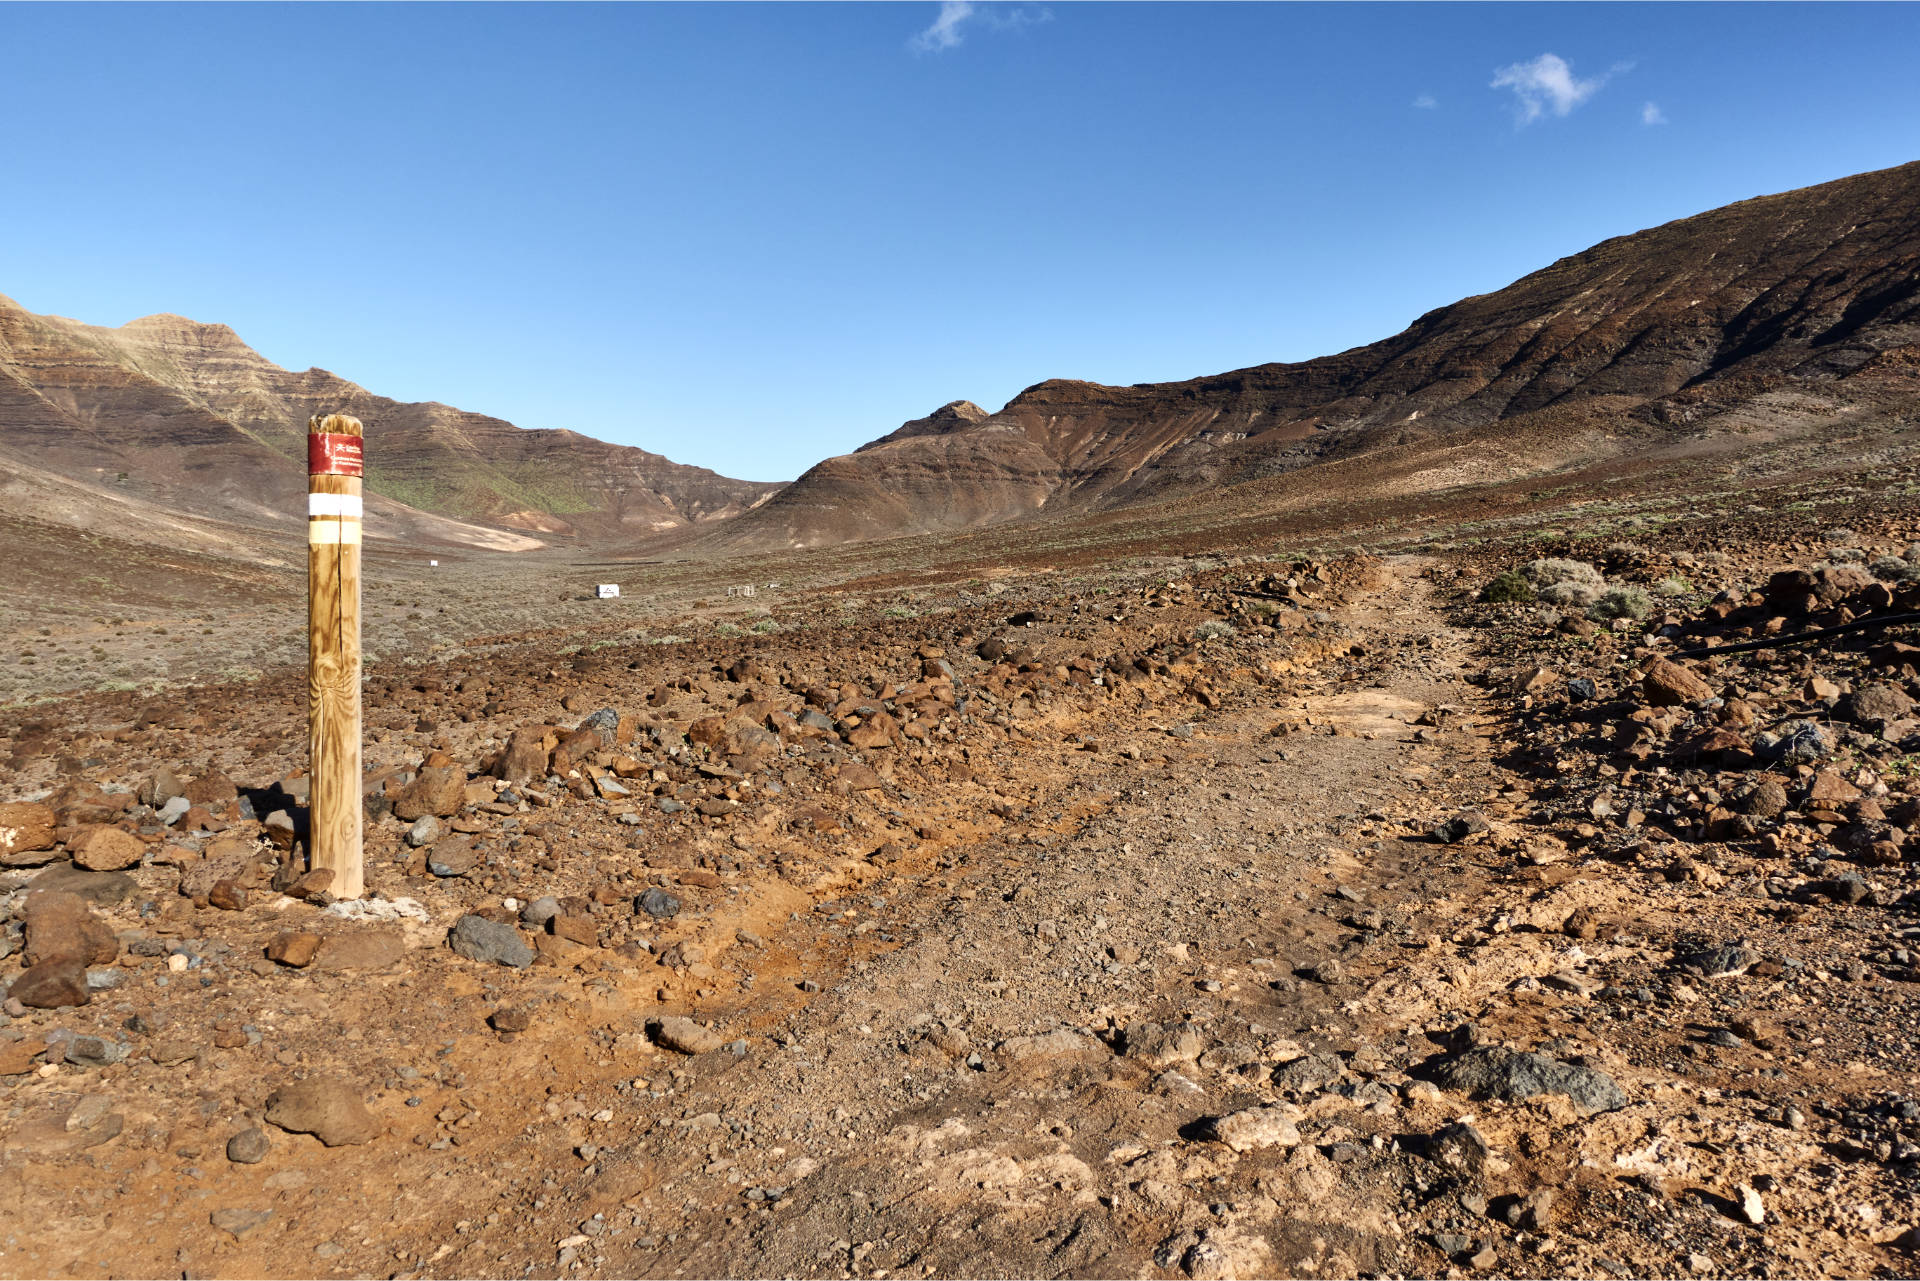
1265, 915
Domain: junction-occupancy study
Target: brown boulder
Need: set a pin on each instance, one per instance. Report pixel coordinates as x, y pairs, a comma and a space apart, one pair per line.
52, 985
1829, 787
1833, 583
752, 742
1721, 744
26, 834
554, 950
16, 1057
294, 950
82, 804
161, 788
105, 849
212, 790
510, 1019
1878, 704
61, 924
525, 758
1789, 587
858, 777
329, 1110
1668, 684
311, 885
1768, 800
708, 731
684, 1035
575, 748
878, 730
438, 790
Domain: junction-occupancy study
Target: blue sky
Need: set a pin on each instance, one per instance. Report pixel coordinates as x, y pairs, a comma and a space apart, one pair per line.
752, 236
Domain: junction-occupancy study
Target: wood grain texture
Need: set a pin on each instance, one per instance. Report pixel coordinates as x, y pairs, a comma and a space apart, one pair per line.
333, 681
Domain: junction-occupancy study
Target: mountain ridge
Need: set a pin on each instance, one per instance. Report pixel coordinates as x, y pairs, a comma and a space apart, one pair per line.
1667, 325
185, 412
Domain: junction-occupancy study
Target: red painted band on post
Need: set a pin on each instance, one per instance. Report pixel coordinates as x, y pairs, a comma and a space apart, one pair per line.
332, 454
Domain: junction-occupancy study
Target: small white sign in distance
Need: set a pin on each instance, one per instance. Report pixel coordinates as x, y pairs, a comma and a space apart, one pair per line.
608, 590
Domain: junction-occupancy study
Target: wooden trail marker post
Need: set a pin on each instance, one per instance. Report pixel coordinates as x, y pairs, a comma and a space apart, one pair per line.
333, 651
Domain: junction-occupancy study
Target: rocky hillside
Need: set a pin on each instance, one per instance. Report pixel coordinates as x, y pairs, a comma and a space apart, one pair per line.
169, 410
1728, 320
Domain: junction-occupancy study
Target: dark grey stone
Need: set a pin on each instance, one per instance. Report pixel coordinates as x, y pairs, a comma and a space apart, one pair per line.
102, 889
1495, 1072
1850, 887
1314, 1072
1459, 827
249, 1147
478, 939
1796, 743
1718, 962
656, 902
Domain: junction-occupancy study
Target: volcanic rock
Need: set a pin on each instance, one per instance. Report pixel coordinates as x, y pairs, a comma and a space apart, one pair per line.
525, 758
1668, 684
1499, 1073
684, 1035
1459, 827
26, 834
330, 1110
1877, 704
1460, 1148
438, 790
294, 950
51, 985
62, 925
478, 939
101, 848
249, 1147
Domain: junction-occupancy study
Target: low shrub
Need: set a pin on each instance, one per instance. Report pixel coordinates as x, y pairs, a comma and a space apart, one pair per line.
1509, 587
1550, 570
1888, 569
1625, 601
1570, 593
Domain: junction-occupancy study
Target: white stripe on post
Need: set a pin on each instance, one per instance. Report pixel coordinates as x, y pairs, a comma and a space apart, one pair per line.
334, 505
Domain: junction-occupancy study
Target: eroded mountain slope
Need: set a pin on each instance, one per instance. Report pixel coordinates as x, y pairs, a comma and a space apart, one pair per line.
1664, 329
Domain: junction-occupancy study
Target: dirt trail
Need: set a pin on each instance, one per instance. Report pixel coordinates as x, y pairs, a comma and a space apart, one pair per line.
957, 1106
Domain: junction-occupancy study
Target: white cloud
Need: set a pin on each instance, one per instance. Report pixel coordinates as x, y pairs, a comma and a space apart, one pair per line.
1650, 114
1425, 102
1547, 84
946, 31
